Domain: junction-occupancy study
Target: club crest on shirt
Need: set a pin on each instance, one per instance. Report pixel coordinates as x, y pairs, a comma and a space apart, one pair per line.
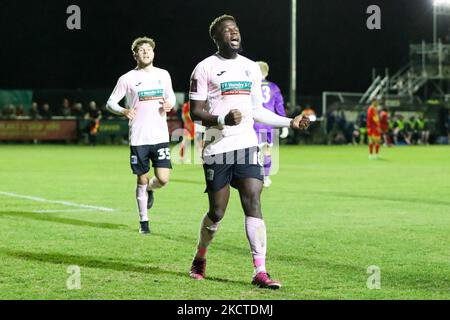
248, 73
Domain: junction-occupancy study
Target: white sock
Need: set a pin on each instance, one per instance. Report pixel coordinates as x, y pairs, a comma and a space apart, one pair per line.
141, 198
256, 234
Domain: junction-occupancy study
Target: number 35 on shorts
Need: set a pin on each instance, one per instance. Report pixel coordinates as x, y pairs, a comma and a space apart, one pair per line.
164, 153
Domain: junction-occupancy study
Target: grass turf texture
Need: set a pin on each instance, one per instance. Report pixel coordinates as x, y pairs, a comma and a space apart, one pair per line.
330, 214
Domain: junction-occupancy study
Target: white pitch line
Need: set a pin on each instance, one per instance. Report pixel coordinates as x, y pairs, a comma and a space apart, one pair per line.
65, 203
61, 210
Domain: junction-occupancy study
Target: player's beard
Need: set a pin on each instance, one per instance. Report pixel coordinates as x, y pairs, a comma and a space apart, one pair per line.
230, 50
144, 65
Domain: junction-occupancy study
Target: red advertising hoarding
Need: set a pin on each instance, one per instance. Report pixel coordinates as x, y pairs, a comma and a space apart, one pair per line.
20, 130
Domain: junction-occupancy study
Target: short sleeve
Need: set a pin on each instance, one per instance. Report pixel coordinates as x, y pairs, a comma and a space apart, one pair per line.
169, 94
256, 94
199, 84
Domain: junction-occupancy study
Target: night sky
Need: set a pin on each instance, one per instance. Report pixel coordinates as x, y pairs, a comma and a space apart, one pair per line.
335, 49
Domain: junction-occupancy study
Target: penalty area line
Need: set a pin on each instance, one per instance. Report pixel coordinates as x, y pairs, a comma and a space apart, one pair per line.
65, 203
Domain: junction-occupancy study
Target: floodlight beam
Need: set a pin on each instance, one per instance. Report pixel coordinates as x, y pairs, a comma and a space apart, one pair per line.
441, 3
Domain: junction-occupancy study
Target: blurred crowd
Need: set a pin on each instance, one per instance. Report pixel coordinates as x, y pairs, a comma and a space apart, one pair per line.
399, 130
43, 111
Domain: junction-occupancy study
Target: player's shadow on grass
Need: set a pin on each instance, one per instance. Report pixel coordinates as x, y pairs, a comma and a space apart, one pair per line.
49, 218
95, 262
216, 245
242, 251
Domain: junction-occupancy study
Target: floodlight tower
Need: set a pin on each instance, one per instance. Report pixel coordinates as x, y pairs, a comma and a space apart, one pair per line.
293, 73
440, 7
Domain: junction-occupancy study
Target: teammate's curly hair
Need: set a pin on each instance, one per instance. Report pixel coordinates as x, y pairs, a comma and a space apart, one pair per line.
216, 22
140, 41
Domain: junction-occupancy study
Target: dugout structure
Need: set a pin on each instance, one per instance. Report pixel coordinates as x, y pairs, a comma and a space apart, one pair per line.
422, 86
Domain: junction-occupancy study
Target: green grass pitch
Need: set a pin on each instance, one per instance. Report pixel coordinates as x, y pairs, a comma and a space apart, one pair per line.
330, 213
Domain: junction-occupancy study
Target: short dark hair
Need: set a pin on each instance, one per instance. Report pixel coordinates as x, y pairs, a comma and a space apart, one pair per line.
217, 21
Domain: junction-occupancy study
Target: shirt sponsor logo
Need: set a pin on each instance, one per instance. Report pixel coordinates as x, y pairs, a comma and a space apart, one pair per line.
236, 88
150, 94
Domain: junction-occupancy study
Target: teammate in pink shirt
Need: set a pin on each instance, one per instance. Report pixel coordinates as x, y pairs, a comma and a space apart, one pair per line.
149, 97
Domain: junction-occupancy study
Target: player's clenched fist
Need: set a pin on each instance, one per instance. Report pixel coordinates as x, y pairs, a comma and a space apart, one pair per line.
233, 118
129, 113
300, 122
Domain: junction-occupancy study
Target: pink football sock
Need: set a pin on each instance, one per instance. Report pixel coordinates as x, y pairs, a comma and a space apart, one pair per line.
256, 234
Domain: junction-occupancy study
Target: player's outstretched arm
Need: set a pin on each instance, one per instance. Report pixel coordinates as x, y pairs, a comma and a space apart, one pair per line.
234, 117
265, 116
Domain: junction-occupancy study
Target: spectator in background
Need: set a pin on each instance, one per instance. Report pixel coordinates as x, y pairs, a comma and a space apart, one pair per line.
105, 114
77, 111
34, 112
9, 112
336, 127
330, 124
384, 126
341, 125
20, 111
399, 130
93, 115
410, 130
442, 125
46, 113
65, 108
362, 126
93, 112
422, 129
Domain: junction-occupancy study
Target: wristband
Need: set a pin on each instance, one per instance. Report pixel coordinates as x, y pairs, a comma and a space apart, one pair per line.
221, 120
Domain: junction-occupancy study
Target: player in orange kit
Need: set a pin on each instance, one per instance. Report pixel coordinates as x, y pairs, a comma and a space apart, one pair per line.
192, 132
188, 130
384, 127
373, 129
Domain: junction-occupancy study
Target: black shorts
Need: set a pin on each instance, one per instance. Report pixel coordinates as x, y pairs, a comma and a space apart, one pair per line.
226, 168
140, 157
